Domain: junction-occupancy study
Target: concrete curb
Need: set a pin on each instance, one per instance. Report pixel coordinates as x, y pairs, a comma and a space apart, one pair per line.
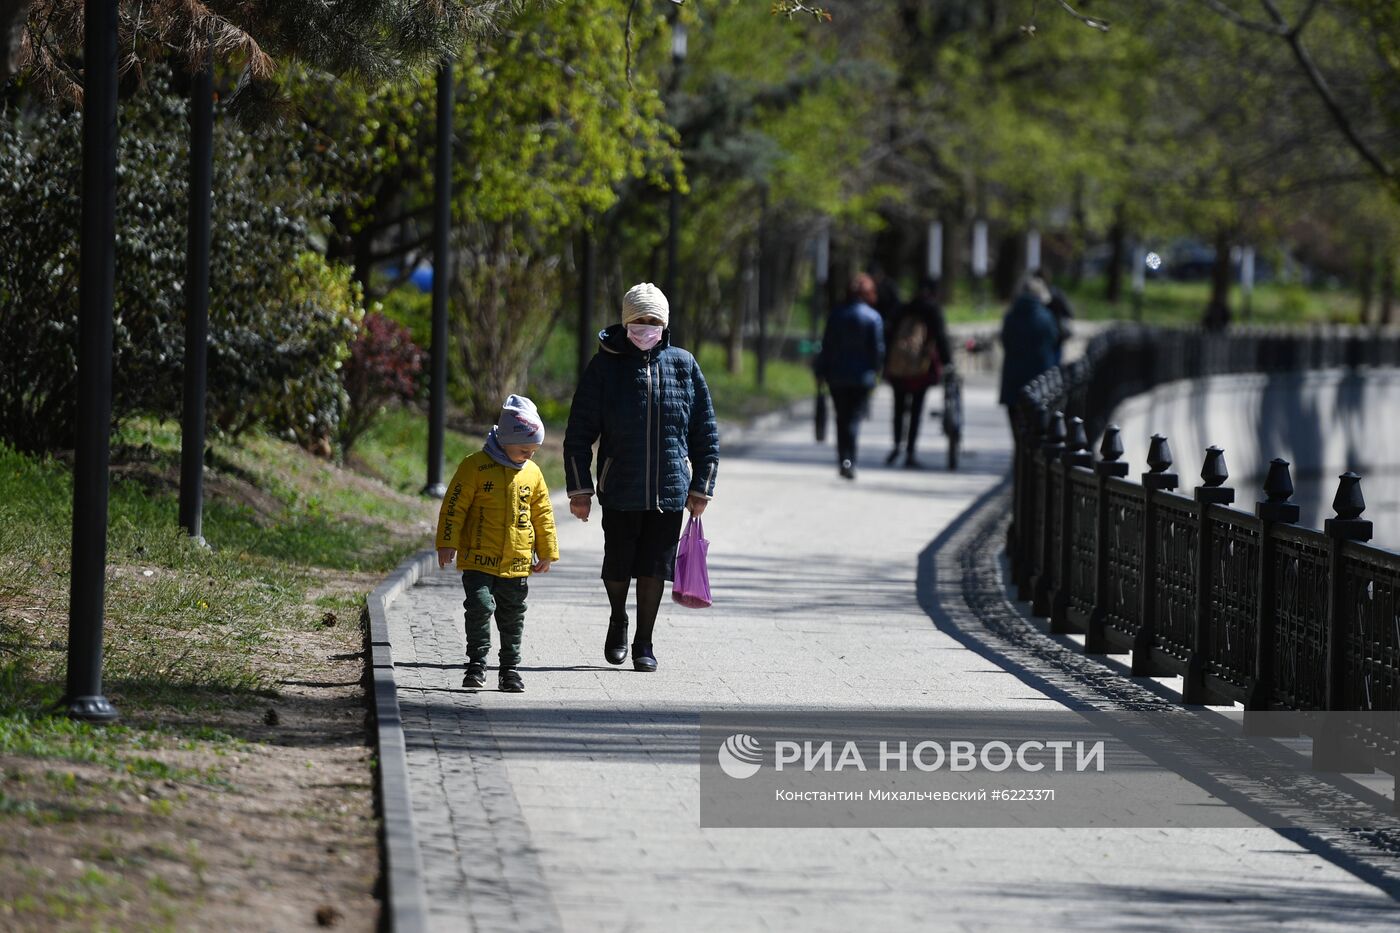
405, 897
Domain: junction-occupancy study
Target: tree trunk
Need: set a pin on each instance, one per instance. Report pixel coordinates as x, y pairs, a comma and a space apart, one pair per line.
1117, 240
739, 311
1006, 270
953, 234
1081, 235
13, 14
1388, 290
363, 262
1368, 282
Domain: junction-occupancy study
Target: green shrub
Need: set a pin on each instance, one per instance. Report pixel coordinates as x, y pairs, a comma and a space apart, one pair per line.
281, 319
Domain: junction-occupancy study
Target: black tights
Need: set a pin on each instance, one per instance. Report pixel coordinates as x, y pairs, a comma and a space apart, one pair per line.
649, 590
910, 405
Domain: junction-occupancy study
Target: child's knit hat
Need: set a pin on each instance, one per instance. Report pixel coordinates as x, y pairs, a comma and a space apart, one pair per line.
645, 299
520, 422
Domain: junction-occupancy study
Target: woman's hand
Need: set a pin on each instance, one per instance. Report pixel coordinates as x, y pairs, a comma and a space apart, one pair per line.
446, 555
580, 506
696, 504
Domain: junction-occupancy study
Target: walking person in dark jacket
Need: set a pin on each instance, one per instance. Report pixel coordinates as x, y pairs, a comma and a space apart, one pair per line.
647, 406
1029, 339
853, 349
917, 353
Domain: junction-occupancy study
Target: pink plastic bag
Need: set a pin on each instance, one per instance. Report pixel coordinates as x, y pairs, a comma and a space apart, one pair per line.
692, 585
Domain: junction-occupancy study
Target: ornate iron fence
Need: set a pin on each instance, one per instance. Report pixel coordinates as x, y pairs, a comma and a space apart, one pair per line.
1244, 607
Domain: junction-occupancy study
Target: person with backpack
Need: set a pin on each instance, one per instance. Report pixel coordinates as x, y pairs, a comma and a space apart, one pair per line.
917, 352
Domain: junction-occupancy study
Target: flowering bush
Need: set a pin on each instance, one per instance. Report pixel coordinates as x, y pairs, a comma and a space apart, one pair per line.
383, 367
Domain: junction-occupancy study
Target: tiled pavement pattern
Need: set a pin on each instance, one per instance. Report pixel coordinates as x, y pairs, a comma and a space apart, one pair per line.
575, 805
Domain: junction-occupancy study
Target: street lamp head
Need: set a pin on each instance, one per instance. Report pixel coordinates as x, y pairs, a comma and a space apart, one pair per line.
678, 40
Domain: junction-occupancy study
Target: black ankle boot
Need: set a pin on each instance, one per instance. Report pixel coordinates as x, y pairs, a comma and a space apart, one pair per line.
615, 645
643, 659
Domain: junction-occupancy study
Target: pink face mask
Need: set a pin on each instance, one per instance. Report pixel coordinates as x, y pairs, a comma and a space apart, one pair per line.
644, 336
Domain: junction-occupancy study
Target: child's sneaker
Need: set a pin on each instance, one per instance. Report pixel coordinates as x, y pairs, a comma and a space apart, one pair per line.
475, 675
510, 681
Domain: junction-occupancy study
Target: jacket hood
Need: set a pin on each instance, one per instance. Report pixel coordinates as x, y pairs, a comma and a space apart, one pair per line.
613, 339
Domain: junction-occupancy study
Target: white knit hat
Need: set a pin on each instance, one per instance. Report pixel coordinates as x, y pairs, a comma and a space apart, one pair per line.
520, 422
645, 299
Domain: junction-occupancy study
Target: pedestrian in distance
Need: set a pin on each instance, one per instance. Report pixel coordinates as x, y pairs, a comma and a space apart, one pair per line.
1058, 305
497, 523
886, 301
853, 349
917, 352
1029, 339
647, 406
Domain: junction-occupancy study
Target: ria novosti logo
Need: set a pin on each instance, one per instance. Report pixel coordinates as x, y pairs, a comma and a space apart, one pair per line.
740, 756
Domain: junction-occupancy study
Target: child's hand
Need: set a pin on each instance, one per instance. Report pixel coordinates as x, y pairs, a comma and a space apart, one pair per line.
541, 565
580, 506
446, 555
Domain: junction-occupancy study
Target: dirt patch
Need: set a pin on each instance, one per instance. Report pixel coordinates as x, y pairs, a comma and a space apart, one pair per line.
244, 813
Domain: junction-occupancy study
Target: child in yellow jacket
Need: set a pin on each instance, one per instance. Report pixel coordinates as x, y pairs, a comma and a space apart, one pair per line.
496, 521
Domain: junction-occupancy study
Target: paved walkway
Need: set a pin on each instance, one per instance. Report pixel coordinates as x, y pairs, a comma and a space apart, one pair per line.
575, 805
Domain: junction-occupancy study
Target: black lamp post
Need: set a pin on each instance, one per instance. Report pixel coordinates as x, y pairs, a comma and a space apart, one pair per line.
765, 288
197, 301
83, 697
678, 52
442, 221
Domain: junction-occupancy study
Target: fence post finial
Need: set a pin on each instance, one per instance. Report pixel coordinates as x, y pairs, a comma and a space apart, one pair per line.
1111, 450
1213, 471
1214, 474
1159, 454
1077, 446
1278, 488
1348, 504
1159, 460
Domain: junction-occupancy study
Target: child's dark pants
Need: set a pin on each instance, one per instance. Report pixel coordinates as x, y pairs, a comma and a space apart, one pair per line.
488, 594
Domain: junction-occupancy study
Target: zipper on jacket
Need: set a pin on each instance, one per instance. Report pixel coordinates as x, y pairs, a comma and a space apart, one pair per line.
646, 475
660, 433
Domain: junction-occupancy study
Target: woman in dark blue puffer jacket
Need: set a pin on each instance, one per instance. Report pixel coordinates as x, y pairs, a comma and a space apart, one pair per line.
648, 408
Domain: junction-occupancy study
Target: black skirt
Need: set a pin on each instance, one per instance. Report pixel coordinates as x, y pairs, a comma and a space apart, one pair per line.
640, 544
